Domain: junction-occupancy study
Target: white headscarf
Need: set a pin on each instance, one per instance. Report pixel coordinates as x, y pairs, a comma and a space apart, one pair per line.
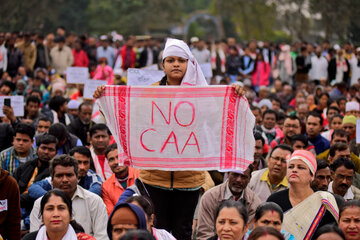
194, 75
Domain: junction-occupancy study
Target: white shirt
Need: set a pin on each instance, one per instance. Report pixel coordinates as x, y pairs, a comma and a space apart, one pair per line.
4, 60
88, 210
202, 56
349, 195
355, 70
318, 68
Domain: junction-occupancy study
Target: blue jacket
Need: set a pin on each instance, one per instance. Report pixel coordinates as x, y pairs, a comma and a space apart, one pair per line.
91, 182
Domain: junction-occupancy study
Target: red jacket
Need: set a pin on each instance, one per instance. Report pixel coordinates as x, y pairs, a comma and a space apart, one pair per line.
261, 74
80, 58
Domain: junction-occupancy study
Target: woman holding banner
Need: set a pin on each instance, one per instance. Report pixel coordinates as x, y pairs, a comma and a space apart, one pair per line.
175, 193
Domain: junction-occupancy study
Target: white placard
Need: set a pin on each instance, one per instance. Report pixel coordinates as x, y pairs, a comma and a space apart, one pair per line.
140, 77
90, 87
206, 69
77, 75
151, 67
358, 131
17, 103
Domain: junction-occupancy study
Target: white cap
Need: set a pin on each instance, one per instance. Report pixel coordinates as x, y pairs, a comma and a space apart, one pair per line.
103, 37
352, 106
194, 39
337, 47
73, 104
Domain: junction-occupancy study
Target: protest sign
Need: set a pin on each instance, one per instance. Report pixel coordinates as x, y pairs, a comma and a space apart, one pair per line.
206, 69
17, 103
77, 75
141, 77
180, 128
90, 87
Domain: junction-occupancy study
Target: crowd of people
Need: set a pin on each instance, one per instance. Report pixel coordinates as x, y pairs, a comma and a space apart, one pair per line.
60, 177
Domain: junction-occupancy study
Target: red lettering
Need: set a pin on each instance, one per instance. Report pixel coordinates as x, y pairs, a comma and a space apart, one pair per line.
193, 113
191, 144
152, 112
141, 140
172, 134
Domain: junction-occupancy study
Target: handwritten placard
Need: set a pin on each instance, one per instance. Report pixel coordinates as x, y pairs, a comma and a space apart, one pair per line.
141, 77
77, 75
206, 69
90, 87
17, 103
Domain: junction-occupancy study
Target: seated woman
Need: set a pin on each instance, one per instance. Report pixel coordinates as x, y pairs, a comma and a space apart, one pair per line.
269, 214
349, 219
265, 233
231, 221
148, 207
305, 210
56, 209
329, 231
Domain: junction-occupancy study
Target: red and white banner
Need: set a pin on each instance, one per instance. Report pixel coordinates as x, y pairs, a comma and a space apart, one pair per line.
180, 128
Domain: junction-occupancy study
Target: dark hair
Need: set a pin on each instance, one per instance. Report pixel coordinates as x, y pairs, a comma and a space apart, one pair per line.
328, 228
293, 117
262, 231
45, 119
138, 234
317, 115
9, 84
270, 111
59, 131
337, 147
348, 204
33, 99
56, 102
341, 99
63, 160
98, 127
347, 163
253, 108
268, 206
283, 147
276, 100
335, 116
321, 164
240, 208
258, 136
25, 128
299, 137
281, 116
341, 133
332, 108
46, 139
144, 202
81, 150
84, 104
58, 193
110, 148
324, 93
36, 91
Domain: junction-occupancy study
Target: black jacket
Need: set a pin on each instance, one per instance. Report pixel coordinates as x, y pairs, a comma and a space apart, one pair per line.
332, 70
80, 130
24, 173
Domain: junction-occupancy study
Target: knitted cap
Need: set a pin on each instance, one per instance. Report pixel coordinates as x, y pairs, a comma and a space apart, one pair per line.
307, 157
349, 119
352, 106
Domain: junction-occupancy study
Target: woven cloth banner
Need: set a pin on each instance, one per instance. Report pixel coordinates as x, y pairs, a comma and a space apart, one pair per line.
180, 128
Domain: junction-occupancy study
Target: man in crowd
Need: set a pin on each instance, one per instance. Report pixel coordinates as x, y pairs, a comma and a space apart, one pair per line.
89, 209
349, 125
104, 50
58, 106
66, 140
43, 125
99, 140
121, 178
61, 56
342, 172
29, 53
322, 176
269, 126
82, 124
259, 161
236, 188
22, 151
266, 181
314, 123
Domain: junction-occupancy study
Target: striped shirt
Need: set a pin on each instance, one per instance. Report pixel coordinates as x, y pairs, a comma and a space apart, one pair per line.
10, 161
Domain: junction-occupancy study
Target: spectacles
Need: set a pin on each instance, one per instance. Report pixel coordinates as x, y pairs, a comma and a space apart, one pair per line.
342, 177
277, 159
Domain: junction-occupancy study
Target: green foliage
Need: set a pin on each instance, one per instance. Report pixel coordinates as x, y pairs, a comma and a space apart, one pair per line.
253, 19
